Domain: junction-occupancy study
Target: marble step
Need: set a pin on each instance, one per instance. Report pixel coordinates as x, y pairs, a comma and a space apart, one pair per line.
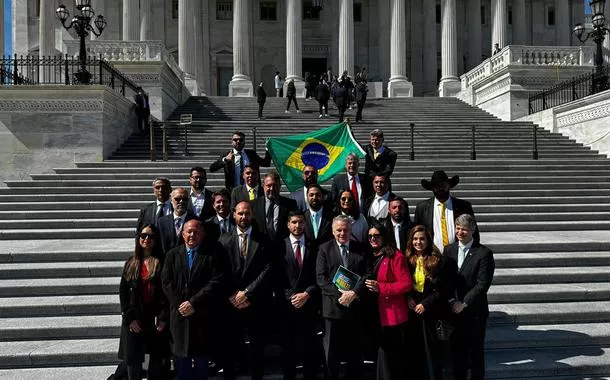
557, 292
584, 258
59, 286
61, 269
52, 305
550, 275
549, 312
63, 328
59, 373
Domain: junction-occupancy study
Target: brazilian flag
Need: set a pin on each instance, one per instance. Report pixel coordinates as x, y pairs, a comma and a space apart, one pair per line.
325, 150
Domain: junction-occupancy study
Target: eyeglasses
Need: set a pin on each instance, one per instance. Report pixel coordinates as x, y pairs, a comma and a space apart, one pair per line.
181, 199
374, 236
346, 199
198, 178
145, 236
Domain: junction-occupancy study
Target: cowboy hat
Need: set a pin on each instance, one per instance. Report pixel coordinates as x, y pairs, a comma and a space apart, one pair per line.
438, 177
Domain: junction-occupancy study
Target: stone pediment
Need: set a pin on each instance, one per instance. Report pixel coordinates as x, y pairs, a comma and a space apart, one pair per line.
223, 50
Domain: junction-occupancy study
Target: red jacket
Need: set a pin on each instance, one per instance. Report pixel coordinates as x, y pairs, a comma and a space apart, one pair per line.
394, 281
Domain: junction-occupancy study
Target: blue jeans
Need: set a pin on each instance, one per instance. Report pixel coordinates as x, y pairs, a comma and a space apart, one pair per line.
187, 371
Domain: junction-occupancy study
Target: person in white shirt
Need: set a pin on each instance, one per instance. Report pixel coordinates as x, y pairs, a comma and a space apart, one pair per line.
279, 84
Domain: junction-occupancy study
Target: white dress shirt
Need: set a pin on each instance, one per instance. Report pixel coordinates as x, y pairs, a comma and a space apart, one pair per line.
463, 250
438, 232
293, 242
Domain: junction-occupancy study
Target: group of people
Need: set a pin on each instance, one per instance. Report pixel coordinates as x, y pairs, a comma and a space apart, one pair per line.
212, 270
342, 90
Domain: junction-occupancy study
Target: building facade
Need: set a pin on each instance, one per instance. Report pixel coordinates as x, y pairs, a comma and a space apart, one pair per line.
228, 46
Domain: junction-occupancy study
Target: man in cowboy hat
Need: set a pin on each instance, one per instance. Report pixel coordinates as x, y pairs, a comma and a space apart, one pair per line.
438, 213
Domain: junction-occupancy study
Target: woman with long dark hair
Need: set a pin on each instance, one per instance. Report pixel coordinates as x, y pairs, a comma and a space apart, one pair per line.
344, 205
144, 309
392, 281
427, 302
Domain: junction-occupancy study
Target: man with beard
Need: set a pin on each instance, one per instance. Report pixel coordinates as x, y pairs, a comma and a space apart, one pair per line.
359, 184
192, 281
438, 214
310, 177
222, 222
318, 218
271, 211
377, 206
251, 189
200, 201
162, 206
248, 292
234, 161
170, 226
399, 223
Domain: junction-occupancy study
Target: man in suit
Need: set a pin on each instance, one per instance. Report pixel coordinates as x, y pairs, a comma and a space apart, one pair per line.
318, 218
476, 266
234, 161
359, 184
200, 200
142, 110
438, 214
297, 295
222, 222
399, 223
341, 309
162, 206
170, 226
379, 158
261, 98
192, 281
377, 206
341, 98
309, 176
247, 292
251, 189
271, 211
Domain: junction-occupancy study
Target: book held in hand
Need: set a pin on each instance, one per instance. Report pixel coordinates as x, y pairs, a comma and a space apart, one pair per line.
345, 279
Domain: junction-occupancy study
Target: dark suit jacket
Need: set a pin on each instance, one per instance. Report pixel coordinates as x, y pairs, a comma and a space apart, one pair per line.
202, 286
325, 231
369, 201
405, 227
208, 206
424, 213
252, 274
299, 197
384, 164
329, 260
167, 231
240, 193
474, 278
260, 217
341, 182
212, 227
289, 280
147, 215
261, 95
229, 167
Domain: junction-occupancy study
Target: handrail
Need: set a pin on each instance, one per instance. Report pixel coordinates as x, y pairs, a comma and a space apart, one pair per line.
165, 126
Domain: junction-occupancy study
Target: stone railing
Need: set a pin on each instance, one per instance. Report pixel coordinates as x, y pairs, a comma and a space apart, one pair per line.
529, 56
127, 51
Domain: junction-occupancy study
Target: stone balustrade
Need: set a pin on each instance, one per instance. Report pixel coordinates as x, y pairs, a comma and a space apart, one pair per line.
127, 51
528, 56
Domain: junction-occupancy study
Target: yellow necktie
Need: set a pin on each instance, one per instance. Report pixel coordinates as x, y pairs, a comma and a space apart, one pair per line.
252, 194
444, 226
375, 154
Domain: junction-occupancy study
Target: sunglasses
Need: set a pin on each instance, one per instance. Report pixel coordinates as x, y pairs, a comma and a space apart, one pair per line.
346, 199
144, 236
181, 199
374, 236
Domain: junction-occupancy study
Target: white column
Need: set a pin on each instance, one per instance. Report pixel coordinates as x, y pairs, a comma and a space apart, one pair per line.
430, 48
398, 85
450, 84
241, 84
346, 37
294, 45
145, 19
563, 28
131, 20
519, 28
186, 56
498, 24
383, 9
46, 37
415, 24
474, 33
198, 45
99, 7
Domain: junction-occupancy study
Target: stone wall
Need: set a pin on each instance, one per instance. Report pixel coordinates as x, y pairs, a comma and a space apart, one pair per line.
45, 127
585, 120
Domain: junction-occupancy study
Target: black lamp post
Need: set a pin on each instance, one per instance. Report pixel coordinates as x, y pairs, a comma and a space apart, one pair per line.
598, 34
81, 23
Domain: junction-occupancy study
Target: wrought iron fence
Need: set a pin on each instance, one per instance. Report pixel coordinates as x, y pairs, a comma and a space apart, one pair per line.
568, 91
62, 70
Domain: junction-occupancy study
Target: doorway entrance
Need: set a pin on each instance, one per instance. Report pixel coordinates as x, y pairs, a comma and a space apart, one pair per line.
224, 77
314, 66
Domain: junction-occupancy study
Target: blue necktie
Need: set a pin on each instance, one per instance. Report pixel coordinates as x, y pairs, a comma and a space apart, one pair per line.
190, 255
344, 255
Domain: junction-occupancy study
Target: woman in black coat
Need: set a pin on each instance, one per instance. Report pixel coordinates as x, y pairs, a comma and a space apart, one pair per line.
428, 302
144, 310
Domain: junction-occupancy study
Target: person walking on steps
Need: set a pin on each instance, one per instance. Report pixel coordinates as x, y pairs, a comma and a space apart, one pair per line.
291, 94
261, 98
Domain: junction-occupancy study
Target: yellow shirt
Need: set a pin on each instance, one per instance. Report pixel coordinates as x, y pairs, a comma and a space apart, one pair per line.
420, 275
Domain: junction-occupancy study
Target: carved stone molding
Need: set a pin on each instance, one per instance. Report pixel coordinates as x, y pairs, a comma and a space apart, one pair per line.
597, 111
491, 91
51, 106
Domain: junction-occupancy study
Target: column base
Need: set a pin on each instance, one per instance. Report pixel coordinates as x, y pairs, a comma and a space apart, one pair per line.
449, 87
400, 88
191, 85
299, 84
241, 88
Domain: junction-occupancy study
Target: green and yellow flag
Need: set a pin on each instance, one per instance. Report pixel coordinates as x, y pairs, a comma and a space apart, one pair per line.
325, 149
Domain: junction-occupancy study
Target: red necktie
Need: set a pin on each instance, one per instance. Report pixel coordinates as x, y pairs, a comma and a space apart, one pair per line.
355, 193
297, 254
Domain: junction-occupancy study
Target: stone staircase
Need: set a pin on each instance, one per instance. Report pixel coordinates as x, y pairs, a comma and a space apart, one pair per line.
64, 236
